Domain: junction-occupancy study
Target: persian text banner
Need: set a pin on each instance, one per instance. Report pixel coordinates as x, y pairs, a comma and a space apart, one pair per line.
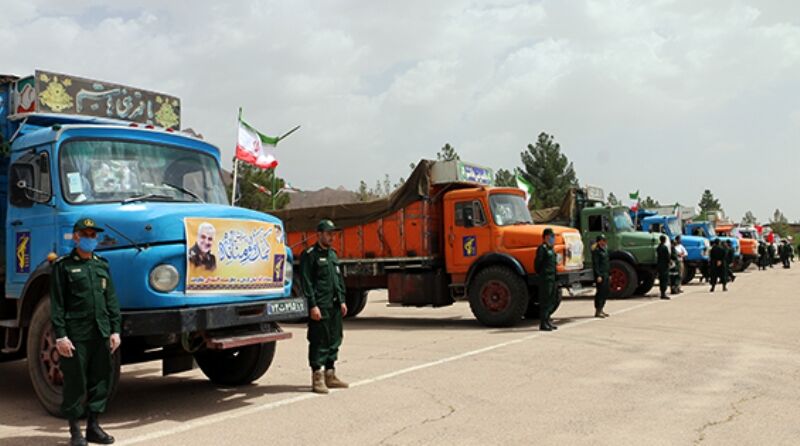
227, 256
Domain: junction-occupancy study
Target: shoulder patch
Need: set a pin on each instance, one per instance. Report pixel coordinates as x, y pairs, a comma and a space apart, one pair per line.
309, 250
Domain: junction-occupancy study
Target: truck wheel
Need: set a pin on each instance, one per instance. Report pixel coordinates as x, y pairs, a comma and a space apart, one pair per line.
746, 264
356, 300
646, 281
43, 361
498, 297
623, 279
688, 274
236, 366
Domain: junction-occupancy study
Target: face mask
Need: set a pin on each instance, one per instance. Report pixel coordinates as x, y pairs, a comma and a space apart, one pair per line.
87, 244
551, 240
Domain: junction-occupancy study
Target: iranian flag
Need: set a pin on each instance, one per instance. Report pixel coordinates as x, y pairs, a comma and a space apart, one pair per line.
634, 196
526, 186
256, 148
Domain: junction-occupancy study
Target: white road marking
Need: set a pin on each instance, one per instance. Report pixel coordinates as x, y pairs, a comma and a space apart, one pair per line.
218, 418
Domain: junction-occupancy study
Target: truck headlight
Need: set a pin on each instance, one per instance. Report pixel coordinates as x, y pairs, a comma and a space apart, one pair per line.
164, 278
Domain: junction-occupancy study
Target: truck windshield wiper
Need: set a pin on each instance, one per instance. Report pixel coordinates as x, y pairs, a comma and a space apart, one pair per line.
185, 191
146, 197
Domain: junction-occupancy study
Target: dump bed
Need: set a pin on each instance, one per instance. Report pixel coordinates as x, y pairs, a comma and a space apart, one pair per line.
405, 225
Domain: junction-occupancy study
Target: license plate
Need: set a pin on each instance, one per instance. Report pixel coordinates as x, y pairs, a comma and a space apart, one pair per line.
286, 307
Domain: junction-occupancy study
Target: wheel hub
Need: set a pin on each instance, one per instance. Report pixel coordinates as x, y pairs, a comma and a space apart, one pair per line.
49, 357
618, 280
495, 296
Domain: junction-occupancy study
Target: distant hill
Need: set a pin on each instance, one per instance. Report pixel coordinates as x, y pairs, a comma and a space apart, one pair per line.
310, 198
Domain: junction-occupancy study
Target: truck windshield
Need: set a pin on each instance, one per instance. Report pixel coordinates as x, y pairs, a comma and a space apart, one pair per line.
622, 221
509, 209
674, 227
103, 171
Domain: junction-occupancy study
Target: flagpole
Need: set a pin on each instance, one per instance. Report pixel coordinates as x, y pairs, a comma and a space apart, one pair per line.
235, 175
274, 177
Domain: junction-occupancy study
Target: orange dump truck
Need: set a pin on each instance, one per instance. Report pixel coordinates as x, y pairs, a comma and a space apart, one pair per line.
445, 235
747, 241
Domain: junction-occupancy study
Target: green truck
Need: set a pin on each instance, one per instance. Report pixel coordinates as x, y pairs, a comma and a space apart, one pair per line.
632, 253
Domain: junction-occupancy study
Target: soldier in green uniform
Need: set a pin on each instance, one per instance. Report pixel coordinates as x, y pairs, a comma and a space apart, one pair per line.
717, 265
600, 267
771, 255
323, 285
87, 324
729, 258
545, 267
762, 255
663, 258
785, 252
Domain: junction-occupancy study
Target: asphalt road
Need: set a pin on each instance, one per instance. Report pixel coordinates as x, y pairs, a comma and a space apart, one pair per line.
711, 369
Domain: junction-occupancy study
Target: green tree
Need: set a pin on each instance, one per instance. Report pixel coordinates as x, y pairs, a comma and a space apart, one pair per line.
613, 200
447, 153
650, 203
548, 170
779, 223
749, 219
364, 193
257, 187
505, 178
708, 203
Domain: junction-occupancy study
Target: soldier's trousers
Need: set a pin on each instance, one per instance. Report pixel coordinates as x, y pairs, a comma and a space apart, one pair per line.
325, 338
719, 276
663, 281
87, 374
601, 292
548, 299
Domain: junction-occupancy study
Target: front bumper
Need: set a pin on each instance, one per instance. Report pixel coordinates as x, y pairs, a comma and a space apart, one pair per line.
194, 319
568, 278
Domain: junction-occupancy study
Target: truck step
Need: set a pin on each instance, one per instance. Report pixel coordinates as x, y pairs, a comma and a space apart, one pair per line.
9, 323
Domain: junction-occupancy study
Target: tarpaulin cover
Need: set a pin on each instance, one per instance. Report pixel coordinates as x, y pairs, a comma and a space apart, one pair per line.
561, 214
343, 215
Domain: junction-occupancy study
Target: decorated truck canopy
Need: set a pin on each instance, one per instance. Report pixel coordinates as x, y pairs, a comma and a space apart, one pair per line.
46, 92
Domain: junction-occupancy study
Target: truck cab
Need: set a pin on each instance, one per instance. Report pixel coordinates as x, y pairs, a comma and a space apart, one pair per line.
706, 230
89, 149
748, 243
697, 248
632, 253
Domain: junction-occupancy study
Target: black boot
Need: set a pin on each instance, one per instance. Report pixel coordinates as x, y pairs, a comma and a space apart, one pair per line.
75, 435
94, 433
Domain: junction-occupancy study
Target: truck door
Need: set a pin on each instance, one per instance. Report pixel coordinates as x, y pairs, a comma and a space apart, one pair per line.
31, 232
469, 235
595, 225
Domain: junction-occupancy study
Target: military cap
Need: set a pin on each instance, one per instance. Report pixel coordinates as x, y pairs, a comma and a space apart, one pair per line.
326, 225
547, 231
600, 237
86, 223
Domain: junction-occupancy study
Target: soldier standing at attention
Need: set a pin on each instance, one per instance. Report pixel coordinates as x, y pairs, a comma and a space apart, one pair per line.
762, 256
323, 285
87, 324
771, 255
664, 257
729, 256
545, 266
717, 265
600, 267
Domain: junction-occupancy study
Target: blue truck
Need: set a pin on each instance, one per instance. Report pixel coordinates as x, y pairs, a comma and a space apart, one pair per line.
697, 248
705, 229
200, 282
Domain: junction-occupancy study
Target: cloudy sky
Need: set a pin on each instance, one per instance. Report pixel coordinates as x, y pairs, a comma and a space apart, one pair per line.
668, 97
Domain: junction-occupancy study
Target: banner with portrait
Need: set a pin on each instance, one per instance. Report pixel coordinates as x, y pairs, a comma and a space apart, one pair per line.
226, 256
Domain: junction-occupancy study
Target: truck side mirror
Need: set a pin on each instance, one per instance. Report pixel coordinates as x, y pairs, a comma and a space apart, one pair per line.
30, 180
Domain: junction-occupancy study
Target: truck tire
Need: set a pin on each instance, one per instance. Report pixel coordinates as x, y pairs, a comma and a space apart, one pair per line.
498, 297
623, 278
688, 274
532, 311
43, 359
236, 366
356, 300
646, 282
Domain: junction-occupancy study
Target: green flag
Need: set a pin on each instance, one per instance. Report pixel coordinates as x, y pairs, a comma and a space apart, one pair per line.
634, 195
526, 186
